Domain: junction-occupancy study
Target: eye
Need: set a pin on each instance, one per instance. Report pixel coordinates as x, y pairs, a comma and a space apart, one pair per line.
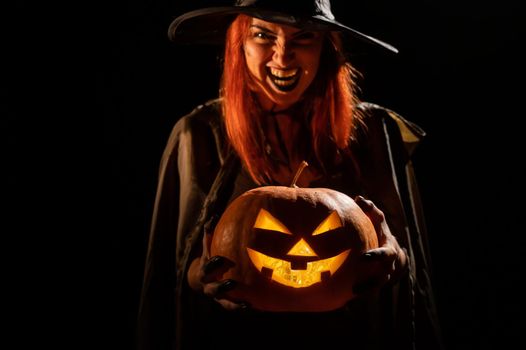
332, 222
266, 221
262, 36
305, 37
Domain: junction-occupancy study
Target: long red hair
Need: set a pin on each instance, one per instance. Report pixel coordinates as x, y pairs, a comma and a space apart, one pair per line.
330, 102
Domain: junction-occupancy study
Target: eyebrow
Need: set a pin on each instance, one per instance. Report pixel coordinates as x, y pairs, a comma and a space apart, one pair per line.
262, 28
266, 30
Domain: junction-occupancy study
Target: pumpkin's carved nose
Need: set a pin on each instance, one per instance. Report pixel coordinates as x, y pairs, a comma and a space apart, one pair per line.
302, 248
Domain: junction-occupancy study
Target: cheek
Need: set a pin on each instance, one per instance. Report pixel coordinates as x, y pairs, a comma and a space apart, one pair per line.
254, 59
312, 61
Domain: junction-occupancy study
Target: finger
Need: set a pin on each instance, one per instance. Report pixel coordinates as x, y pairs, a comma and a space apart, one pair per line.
213, 264
364, 204
232, 306
376, 216
382, 261
370, 209
218, 289
383, 254
214, 268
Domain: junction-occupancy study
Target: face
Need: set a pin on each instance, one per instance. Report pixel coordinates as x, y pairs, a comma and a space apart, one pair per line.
283, 61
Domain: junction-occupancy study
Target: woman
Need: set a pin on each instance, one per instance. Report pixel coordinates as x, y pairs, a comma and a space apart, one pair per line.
287, 95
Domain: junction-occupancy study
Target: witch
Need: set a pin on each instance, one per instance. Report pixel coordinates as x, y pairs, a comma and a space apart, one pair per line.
288, 94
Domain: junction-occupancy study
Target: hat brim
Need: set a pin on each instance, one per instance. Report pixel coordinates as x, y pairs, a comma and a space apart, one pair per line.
208, 26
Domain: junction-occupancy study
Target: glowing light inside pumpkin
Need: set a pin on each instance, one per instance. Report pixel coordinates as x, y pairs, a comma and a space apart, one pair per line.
284, 274
267, 222
282, 271
332, 222
302, 248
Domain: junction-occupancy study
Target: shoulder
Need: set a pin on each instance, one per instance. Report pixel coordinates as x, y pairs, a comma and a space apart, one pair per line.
204, 120
376, 116
204, 115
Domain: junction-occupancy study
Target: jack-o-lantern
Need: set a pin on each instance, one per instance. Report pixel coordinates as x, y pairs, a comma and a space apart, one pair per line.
294, 249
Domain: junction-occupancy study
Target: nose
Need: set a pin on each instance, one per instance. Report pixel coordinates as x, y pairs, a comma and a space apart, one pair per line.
283, 54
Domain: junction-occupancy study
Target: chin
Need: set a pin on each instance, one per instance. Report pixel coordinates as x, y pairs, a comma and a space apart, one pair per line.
284, 99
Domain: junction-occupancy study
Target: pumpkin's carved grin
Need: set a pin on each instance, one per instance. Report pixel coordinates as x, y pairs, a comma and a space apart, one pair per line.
282, 272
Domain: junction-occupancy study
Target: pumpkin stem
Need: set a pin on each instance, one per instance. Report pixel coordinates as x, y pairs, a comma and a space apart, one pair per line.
298, 173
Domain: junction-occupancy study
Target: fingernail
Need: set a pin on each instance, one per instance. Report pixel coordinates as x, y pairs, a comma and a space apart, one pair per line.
369, 256
213, 264
226, 286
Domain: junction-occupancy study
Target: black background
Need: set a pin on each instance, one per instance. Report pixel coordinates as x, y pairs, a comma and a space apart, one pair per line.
96, 150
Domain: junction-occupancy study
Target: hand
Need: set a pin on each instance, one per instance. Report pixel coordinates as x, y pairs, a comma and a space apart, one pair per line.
204, 273
389, 260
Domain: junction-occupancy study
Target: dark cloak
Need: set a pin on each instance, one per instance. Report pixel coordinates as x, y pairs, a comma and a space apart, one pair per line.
199, 175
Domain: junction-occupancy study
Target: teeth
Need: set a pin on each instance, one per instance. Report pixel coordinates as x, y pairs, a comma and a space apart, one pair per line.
284, 79
283, 83
284, 73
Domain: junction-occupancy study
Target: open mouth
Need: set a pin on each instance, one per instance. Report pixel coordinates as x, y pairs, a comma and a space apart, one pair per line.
284, 80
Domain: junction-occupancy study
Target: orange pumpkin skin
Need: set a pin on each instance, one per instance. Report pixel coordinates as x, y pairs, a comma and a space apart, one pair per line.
300, 210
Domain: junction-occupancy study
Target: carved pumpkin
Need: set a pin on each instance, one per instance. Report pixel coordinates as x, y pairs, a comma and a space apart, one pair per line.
294, 249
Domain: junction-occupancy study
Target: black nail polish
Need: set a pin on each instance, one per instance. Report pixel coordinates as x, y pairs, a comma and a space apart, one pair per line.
368, 256
213, 263
226, 286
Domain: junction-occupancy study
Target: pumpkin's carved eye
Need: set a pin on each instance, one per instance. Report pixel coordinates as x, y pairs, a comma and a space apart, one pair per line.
332, 222
266, 221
